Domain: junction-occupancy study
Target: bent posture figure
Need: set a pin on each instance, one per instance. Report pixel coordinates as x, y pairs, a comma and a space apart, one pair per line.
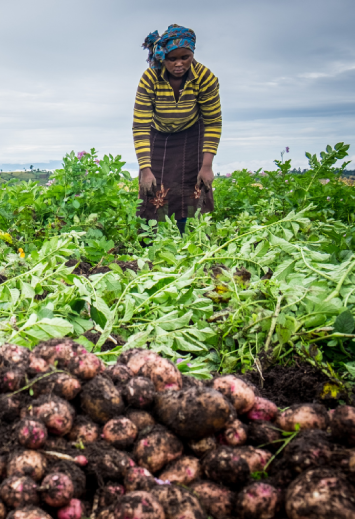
176, 128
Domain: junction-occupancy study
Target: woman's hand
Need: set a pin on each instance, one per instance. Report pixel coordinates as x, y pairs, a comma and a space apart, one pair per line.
206, 174
147, 181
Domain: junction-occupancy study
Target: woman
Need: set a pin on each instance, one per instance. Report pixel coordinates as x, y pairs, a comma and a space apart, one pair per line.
176, 128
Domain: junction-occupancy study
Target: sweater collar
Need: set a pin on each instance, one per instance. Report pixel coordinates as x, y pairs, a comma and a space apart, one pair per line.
191, 75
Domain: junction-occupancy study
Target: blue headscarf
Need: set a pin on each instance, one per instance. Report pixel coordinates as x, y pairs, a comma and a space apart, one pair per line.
175, 37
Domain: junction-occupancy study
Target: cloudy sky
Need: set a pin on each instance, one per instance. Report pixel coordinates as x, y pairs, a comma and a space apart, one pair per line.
69, 70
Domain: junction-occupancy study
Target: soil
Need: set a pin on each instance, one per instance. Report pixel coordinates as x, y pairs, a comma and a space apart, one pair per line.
85, 269
2, 279
108, 345
285, 386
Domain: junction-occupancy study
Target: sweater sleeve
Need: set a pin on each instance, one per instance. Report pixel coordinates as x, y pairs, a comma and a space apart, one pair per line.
142, 118
210, 106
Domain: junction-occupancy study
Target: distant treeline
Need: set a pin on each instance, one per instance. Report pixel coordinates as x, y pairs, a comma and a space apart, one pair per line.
346, 172
41, 176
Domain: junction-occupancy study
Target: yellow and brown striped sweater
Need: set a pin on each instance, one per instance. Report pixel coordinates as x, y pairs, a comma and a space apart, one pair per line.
155, 105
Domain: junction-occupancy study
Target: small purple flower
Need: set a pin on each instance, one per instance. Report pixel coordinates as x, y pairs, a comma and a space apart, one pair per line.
161, 482
86, 172
263, 174
179, 360
228, 174
77, 195
97, 161
291, 191
188, 364
81, 154
213, 189
328, 197
326, 181
286, 181
287, 149
50, 182
344, 235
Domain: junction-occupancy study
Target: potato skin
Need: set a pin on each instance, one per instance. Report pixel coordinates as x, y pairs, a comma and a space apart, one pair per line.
120, 432
140, 418
31, 433
56, 413
28, 512
59, 489
18, 355
138, 478
258, 501
192, 413
237, 391
308, 416
226, 466
156, 448
85, 366
256, 458
138, 358
163, 373
216, 500
139, 392
343, 425
19, 491
178, 502
185, 470
236, 433
201, 447
320, 494
84, 430
101, 400
119, 374
140, 504
27, 463
263, 409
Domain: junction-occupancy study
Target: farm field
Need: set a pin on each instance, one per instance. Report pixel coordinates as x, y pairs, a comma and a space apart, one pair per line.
155, 370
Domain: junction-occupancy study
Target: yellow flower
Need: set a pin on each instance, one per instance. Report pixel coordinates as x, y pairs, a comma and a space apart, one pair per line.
5, 236
22, 254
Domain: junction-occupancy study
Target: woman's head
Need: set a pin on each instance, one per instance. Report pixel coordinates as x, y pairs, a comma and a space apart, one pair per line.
177, 44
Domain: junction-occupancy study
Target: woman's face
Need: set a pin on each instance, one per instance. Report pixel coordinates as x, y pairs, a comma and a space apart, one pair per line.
179, 61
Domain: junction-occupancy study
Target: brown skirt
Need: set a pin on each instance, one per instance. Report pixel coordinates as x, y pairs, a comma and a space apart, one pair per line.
176, 161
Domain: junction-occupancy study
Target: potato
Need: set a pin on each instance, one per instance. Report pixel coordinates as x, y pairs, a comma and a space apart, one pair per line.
138, 478
163, 373
85, 366
31, 433
310, 449
258, 501
74, 510
141, 419
235, 433
19, 491
37, 365
237, 391
58, 490
139, 392
343, 425
13, 354
216, 500
224, 465
263, 409
138, 358
119, 374
11, 379
154, 449
107, 461
120, 432
59, 351
3, 513
192, 413
184, 471
320, 494
28, 512
178, 502
101, 400
201, 447
139, 505
256, 458
57, 414
307, 416
84, 430
264, 433
27, 463
61, 384
3, 465
10, 408
109, 494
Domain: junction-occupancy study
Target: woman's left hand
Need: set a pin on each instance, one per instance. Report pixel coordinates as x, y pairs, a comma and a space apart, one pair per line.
206, 176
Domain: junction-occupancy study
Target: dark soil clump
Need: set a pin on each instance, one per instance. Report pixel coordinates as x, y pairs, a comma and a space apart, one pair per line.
108, 345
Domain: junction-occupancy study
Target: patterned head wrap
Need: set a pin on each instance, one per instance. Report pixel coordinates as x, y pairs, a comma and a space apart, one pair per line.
175, 37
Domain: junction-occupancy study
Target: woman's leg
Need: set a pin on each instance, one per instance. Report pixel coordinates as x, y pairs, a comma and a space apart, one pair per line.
181, 225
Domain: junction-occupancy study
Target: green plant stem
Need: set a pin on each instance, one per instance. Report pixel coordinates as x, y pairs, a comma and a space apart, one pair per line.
315, 270
337, 289
28, 386
286, 442
273, 322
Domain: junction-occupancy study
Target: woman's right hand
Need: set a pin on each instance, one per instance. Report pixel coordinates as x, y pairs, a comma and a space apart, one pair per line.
147, 181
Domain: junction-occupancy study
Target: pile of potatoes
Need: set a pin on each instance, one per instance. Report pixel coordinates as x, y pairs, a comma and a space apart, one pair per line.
137, 440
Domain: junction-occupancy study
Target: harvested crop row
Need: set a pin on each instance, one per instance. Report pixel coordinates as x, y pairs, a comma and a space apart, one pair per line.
139, 440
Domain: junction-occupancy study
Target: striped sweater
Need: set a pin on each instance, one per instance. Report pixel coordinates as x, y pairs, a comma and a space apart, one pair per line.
155, 105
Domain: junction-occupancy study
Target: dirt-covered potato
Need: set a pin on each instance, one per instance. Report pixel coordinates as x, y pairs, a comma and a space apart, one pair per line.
307, 416
28, 512
119, 374
56, 413
264, 433
101, 400
178, 502
138, 478
3, 513
27, 463
13, 354
163, 373
85, 366
156, 447
84, 430
343, 425
310, 449
139, 392
216, 500
31, 433
61, 384
37, 365
137, 358
141, 419
10, 408
258, 501
107, 461
320, 494
19, 491
256, 458
58, 489
224, 465
120, 432
185, 470
263, 409
3, 465
74, 472
59, 351
192, 413
139, 505
11, 379
201, 447
109, 493
235, 433
237, 391
74, 510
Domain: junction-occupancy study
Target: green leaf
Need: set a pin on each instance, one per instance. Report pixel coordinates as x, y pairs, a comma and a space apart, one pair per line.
76, 204
345, 322
129, 309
